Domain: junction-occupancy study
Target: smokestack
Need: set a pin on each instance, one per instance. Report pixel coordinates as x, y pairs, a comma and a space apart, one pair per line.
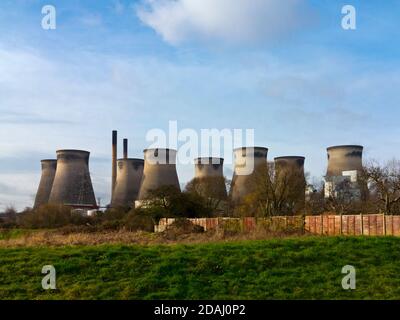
72, 184
344, 158
114, 161
125, 148
212, 168
159, 170
46, 182
129, 176
248, 162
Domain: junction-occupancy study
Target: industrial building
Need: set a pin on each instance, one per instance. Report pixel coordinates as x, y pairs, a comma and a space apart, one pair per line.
343, 173
248, 162
159, 170
72, 183
290, 164
129, 176
46, 182
67, 180
211, 169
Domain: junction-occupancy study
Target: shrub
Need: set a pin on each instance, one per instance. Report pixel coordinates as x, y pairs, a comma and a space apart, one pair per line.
9, 218
136, 221
184, 226
231, 226
51, 216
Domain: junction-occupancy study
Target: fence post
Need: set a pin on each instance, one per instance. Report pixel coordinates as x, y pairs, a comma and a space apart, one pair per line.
341, 224
362, 224
384, 224
322, 224
392, 225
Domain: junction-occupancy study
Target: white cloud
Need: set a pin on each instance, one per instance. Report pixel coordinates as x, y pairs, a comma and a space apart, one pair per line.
231, 21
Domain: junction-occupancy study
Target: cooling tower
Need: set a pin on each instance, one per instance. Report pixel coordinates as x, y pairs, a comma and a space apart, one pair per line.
291, 163
72, 184
344, 158
290, 169
248, 160
129, 176
212, 168
159, 170
46, 182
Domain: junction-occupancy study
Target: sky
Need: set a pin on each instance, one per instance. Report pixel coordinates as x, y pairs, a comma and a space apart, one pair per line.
286, 69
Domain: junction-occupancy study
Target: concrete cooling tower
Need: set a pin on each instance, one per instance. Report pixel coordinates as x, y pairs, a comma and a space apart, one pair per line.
72, 184
344, 158
46, 182
212, 168
248, 160
290, 169
129, 176
291, 163
159, 170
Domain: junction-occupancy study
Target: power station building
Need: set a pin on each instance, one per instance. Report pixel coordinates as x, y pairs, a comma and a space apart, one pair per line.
159, 170
129, 176
343, 173
72, 183
248, 163
46, 182
209, 172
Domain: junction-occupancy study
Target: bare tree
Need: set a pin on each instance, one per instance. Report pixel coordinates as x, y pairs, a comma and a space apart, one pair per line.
342, 199
276, 192
384, 183
212, 190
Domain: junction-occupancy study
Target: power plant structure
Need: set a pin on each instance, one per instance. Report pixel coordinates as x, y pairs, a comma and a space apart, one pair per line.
344, 168
290, 164
289, 170
46, 182
159, 170
212, 169
67, 180
129, 177
72, 184
113, 161
249, 161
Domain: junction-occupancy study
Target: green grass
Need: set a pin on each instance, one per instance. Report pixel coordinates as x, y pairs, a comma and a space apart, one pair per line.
14, 233
297, 268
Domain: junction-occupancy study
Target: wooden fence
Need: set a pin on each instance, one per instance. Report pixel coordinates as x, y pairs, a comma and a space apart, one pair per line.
368, 225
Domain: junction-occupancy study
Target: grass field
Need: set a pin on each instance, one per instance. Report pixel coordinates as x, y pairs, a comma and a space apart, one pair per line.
294, 268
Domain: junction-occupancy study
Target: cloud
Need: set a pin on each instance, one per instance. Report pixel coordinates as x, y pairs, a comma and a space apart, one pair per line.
231, 21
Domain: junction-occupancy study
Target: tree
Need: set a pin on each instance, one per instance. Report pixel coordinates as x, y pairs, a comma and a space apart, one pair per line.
276, 191
342, 199
168, 201
212, 190
384, 184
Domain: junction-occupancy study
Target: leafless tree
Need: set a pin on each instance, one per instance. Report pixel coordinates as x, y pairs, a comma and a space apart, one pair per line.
276, 192
212, 190
384, 184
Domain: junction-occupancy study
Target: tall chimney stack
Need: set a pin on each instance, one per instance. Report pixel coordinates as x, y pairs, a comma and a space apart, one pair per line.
114, 161
125, 148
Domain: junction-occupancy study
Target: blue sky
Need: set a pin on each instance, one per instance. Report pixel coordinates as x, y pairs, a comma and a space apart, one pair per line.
288, 71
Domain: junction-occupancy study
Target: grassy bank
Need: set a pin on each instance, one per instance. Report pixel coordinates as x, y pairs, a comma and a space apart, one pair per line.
296, 268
